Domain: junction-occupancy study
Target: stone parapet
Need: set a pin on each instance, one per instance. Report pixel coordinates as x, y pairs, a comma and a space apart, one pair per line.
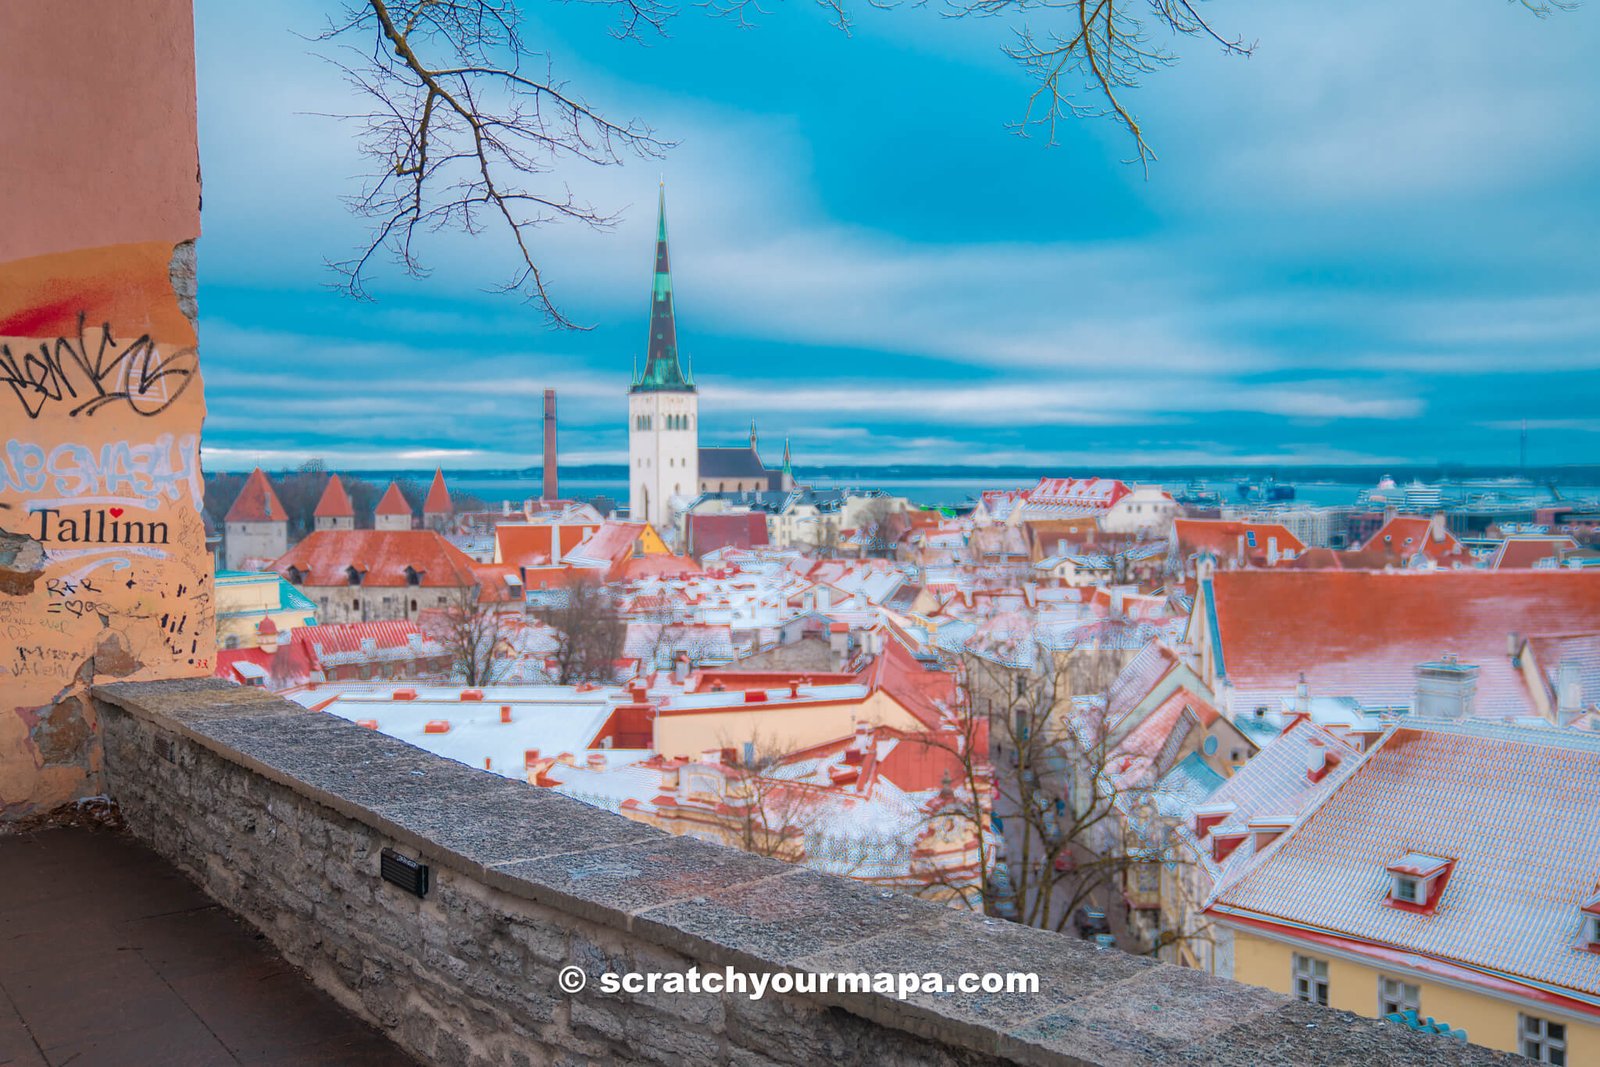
281, 814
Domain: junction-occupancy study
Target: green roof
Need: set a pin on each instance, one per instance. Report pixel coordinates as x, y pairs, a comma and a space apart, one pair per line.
662, 371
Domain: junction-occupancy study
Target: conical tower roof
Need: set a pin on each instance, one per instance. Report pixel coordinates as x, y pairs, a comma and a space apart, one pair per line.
257, 501
335, 502
393, 502
662, 371
438, 500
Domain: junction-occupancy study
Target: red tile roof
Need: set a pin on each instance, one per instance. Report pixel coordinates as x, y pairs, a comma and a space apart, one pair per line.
530, 544
1406, 535
381, 556
335, 502
1230, 540
657, 566
707, 533
438, 500
344, 638
257, 501
1526, 551
1360, 633
393, 502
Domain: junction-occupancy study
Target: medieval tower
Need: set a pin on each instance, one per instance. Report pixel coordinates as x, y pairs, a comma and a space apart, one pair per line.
663, 410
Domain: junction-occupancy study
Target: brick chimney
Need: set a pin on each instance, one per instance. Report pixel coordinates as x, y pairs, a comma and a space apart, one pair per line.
551, 488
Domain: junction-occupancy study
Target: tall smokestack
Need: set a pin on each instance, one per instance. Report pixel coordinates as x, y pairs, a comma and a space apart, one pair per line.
551, 489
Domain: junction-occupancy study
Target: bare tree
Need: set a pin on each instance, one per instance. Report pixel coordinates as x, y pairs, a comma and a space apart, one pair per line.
462, 119
1039, 795
475, 637
589, 634
875, 522
464, 113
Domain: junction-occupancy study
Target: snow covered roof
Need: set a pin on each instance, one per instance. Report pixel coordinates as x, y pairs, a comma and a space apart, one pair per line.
1516, 809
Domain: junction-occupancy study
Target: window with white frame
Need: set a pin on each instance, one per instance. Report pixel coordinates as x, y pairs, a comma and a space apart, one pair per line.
1311, 980
1541, 1040
1395, 996
1405, 888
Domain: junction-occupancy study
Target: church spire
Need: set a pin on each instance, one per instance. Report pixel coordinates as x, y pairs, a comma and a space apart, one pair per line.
662, 371
752, 435
788, 467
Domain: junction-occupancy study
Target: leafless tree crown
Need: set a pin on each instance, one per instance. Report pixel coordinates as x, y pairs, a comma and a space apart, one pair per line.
466, 127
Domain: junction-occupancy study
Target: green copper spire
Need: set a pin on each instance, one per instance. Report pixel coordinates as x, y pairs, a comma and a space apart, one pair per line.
662, 371
788, 467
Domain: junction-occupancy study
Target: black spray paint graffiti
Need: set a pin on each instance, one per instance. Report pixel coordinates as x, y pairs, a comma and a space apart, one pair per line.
64, 371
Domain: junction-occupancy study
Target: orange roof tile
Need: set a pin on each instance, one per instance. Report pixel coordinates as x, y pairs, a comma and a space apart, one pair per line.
382, 556
1228, 539
257, 501
335, 502
1362, 633
393, 502
438, 500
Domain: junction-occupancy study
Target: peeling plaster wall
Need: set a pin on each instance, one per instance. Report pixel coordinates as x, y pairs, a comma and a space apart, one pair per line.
103, 565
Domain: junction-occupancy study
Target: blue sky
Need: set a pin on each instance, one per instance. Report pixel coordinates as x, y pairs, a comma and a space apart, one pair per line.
1375, 241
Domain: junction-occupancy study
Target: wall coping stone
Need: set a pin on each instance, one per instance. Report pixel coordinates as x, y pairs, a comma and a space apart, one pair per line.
723, 907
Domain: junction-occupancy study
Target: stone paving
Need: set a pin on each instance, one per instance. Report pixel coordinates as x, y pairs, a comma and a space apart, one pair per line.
109, 956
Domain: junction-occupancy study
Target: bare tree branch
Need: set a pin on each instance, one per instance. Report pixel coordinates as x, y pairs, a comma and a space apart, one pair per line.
459, 127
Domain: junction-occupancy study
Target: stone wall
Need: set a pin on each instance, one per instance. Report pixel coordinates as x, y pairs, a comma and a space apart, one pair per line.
281, 814
104, 571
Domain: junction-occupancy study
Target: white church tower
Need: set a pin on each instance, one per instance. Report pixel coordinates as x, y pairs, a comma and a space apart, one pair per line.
663, 411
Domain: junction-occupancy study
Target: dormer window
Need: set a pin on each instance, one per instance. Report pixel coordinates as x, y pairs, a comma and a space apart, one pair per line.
1416, 881
295, 575
1590, 910
413, 576
352, 575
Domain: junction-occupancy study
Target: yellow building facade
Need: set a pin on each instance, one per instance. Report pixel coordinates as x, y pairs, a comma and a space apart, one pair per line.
1492, 1017
245, 598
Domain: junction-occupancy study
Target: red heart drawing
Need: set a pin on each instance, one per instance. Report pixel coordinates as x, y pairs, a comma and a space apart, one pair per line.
116, 513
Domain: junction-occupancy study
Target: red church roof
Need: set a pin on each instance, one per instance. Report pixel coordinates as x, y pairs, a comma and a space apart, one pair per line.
394, 502
257, 501
335, 502
438, 501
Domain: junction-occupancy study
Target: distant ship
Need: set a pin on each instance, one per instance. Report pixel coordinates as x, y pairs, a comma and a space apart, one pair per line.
1266, 491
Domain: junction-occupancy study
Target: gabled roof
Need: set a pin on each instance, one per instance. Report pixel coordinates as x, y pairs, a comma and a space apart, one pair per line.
1518, 811
438, 499
335, 502
381, 556
538, 544
1362, 634
1406, 536
1529, 551
740, 462
1229, 539
393, 502
707, 533
257, 501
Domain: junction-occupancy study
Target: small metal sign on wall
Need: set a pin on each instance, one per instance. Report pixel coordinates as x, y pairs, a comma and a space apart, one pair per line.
405, 872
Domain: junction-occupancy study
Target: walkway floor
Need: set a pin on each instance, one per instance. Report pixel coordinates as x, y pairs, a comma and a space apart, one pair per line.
109, 957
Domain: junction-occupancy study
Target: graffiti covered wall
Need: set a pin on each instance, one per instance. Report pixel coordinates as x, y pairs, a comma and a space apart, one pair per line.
104, 571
